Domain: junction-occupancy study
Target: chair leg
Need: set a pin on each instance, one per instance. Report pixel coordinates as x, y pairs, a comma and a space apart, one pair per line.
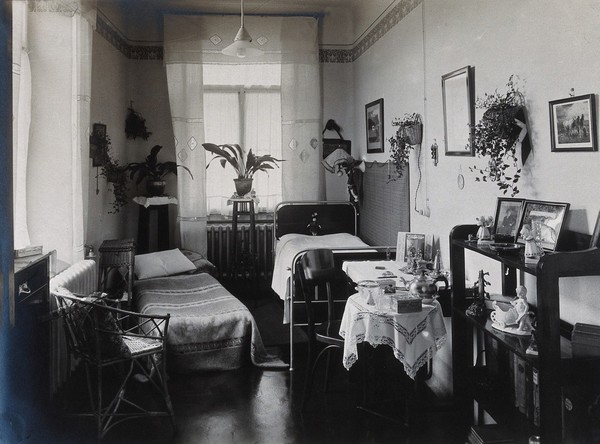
311, 372
327, 371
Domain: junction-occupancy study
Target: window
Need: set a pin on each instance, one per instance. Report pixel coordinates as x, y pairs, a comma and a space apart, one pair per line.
242, 104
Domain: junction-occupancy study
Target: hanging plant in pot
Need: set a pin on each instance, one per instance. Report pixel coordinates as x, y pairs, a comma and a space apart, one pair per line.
409, 134
496, 135
154, 172
244, 164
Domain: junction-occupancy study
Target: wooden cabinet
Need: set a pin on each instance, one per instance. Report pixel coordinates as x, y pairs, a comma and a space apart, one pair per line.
555, 364
29, 342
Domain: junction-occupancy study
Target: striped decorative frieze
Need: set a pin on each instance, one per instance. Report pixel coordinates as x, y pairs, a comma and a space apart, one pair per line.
398, 12
155, 52
335, 55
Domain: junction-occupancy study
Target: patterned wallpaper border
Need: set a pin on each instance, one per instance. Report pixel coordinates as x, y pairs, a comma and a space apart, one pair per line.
155, 52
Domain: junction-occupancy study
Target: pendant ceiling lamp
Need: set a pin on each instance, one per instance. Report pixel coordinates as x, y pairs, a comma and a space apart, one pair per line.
242, 43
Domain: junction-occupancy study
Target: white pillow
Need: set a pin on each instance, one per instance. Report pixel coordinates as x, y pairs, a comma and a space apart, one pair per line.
162, 263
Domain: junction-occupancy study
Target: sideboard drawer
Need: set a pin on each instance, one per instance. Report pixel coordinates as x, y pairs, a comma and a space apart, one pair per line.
29, 281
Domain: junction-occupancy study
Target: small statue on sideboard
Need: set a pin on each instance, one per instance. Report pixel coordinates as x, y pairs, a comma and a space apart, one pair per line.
533, 251
313, 227
477, 308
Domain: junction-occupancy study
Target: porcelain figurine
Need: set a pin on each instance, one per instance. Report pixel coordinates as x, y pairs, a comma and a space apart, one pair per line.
533, 251
513, 319
483, 233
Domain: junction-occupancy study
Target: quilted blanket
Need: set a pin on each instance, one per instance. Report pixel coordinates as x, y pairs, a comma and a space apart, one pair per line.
209, 328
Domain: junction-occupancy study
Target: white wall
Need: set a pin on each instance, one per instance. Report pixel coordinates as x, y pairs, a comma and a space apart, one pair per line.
110, 100
338, 104
551, 46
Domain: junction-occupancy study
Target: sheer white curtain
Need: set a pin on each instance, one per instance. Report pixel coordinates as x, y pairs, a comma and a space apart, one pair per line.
73, 21
21, 90
290, 42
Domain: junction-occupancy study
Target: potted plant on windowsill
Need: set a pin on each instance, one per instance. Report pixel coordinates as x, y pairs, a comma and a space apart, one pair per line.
244, 164
153, 172
409, 133
496, 135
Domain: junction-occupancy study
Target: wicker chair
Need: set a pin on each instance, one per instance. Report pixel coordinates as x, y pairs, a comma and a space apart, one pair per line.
117, 258
115, 345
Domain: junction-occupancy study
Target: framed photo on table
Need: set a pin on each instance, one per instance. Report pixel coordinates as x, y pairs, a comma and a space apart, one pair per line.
410, 245
573, 124
508, 218
459, 111
545, 220
374, 126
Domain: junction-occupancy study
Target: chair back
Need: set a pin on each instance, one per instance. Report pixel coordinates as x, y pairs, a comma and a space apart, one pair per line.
316, 271
74, 314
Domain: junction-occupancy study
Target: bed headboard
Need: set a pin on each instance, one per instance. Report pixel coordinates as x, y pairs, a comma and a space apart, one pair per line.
331, 217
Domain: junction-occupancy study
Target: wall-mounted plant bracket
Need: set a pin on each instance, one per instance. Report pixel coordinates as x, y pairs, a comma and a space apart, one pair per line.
135, 125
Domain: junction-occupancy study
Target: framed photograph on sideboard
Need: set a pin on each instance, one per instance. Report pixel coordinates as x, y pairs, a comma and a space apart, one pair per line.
573, 124
508, 218
545, 220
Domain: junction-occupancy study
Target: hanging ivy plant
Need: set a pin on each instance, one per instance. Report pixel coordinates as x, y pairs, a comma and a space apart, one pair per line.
112, 171
495, 137
135, 125
409, 133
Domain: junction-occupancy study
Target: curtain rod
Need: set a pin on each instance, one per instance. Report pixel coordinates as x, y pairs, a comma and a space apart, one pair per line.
317, 15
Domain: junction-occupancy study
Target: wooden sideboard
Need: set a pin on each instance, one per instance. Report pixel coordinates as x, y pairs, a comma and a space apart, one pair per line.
28, 355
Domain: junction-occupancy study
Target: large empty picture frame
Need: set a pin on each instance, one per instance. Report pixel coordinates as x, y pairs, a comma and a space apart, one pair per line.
457, 92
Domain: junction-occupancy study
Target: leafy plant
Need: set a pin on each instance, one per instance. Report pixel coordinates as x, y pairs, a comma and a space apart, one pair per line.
410, 129
152, 169
115, 174
495, 137
112, 171
244, 164
135, 125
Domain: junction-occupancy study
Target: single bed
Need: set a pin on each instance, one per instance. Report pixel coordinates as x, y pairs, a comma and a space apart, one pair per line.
300, 226
209, 329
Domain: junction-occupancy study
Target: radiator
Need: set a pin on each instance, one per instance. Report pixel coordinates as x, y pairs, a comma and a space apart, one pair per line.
220, 247
80, 278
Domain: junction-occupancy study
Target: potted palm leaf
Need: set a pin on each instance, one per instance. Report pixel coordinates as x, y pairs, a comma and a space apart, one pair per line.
153, 171
244, 164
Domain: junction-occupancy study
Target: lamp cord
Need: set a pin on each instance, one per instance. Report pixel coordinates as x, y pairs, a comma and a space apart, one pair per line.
420, 174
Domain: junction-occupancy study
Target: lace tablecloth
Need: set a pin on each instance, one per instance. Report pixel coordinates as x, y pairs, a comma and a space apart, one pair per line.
413, 337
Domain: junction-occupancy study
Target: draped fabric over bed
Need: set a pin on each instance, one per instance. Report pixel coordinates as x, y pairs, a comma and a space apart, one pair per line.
209, 328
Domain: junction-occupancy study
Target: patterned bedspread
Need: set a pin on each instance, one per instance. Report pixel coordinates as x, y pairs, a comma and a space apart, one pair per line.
209, 328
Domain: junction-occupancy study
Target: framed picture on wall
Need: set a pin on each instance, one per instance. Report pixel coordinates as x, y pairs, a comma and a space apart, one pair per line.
544, 220
98, 144
459, 111
374, 126
573, 124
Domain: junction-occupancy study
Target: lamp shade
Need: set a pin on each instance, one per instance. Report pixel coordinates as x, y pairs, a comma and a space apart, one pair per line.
242, 43
242, 46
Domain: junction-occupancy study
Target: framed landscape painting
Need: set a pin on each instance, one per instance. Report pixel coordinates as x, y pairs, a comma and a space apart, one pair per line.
573, 124
374, 126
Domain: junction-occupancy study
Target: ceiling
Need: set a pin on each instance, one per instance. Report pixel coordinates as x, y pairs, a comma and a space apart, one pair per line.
138, 19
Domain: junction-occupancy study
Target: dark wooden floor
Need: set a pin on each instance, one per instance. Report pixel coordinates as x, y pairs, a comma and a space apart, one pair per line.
251, 405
